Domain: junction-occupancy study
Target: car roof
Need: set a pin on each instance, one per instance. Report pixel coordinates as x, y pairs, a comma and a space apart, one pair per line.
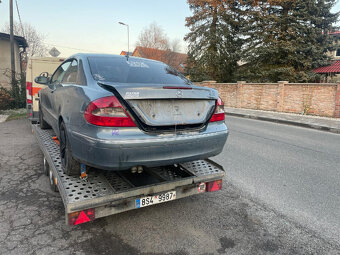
86, 55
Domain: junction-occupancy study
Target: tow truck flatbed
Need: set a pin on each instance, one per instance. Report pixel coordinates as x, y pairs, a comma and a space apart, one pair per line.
105, 193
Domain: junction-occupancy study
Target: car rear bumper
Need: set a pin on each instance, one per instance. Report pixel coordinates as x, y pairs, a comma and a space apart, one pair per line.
118, 153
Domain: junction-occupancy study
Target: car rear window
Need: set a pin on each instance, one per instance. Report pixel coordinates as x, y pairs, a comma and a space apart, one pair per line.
134, 70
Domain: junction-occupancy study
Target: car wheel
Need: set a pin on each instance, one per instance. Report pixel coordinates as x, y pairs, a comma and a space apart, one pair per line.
43, 123
69, 164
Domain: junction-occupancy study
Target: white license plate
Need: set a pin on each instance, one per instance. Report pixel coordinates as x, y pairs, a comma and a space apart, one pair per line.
152, 200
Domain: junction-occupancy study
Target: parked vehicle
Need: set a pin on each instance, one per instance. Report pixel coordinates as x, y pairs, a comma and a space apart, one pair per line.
36, 66
117, 112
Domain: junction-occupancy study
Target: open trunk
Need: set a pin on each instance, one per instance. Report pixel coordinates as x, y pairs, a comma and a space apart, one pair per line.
158, 107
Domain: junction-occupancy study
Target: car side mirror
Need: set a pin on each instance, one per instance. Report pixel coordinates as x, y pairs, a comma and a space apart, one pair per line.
42, 79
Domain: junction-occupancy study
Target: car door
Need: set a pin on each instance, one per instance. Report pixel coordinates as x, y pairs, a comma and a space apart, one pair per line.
49, 101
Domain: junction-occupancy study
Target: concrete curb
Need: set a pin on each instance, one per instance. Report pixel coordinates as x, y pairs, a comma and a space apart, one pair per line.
335, 128
3, 118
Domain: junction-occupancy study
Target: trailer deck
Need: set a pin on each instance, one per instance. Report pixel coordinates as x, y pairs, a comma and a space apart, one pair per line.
105, 193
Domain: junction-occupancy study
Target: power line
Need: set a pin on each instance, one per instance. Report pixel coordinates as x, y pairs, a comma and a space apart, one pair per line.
22, 27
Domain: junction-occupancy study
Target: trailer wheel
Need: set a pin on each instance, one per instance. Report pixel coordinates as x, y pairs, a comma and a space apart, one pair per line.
43, 123
69, 164
52, 180
46, 167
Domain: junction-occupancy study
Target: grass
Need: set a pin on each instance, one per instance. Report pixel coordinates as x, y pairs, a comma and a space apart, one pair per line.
14, 114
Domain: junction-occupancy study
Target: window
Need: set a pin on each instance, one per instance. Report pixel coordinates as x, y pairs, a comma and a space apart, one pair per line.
71, 73
338, 52
134, 70
59, 74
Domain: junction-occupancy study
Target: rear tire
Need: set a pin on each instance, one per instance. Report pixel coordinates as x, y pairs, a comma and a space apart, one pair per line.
69, 164
46, 167
43, 123
52, 181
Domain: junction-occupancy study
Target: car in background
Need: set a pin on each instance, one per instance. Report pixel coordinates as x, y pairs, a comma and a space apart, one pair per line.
121, 112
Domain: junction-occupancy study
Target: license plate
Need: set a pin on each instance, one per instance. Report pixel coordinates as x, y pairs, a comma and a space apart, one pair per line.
152, 200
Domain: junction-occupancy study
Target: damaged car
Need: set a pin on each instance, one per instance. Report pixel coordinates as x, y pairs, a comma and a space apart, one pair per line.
121, 112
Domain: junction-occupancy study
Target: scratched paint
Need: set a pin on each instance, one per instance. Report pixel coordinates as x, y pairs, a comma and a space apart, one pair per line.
115, 132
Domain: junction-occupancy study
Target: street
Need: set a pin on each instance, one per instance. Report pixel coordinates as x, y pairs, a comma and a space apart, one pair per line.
280, 196
292, 169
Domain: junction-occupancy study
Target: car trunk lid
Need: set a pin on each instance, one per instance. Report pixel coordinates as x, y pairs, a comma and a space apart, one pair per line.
166, 106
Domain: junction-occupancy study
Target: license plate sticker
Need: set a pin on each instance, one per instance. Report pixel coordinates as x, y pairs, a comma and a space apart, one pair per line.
156, 199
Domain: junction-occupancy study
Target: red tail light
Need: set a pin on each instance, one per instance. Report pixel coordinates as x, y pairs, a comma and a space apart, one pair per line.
219, 114
76, 218
108, 112
29, 92
213, 186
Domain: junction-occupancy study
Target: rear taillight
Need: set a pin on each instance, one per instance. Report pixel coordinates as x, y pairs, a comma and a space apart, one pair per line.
219, 114
213, 186
108, 112
29, 92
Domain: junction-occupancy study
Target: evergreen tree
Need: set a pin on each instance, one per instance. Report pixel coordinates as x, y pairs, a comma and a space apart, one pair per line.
214, 40
286, 39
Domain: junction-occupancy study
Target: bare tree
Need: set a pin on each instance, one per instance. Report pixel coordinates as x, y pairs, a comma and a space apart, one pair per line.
175, 45
153, 37
35, 40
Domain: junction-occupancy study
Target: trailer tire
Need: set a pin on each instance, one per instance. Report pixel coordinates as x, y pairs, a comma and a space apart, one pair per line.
46, 167
43, 123
52, 181
69, 164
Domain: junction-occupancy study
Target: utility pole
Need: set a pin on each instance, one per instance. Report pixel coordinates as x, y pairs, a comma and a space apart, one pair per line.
11, 38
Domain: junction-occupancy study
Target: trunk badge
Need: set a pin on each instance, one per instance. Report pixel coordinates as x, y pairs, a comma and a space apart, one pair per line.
179, 93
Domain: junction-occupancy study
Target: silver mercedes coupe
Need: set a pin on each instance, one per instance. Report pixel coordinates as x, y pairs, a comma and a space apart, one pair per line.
117, 113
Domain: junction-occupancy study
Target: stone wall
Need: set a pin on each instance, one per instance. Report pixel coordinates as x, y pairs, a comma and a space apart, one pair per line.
322, 99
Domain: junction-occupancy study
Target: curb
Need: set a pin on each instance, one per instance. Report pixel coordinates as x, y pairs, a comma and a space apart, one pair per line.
282, 121
3, 118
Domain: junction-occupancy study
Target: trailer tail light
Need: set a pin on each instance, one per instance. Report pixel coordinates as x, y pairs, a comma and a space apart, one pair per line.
29, 98
108, 112
219, 114
213, 186
76, 218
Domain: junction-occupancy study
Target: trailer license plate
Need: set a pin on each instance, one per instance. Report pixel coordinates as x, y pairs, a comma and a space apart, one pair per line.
152, 200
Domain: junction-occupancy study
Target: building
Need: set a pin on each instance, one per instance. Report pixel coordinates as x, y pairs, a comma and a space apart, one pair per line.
331, 73
174, 59
20, 46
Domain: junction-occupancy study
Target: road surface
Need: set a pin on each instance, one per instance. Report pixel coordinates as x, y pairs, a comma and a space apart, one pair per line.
225, 222
292, 169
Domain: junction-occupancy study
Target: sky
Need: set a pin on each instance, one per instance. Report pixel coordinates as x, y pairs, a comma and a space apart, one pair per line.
92, 26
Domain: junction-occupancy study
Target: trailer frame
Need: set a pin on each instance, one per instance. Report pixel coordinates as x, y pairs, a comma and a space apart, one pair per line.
105, 193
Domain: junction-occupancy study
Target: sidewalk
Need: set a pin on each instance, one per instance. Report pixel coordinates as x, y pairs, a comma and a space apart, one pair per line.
323, 123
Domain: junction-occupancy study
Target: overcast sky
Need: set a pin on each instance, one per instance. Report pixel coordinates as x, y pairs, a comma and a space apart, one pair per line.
92, 26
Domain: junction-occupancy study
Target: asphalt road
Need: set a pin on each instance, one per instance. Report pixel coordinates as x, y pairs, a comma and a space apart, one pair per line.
230, 221
292, 169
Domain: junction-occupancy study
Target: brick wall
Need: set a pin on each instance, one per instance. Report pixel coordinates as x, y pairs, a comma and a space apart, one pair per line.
322, 99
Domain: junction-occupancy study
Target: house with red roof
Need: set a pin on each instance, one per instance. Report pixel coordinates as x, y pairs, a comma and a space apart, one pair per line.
175, 59
332, 71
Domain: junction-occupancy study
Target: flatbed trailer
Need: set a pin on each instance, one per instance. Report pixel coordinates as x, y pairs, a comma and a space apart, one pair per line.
105, 193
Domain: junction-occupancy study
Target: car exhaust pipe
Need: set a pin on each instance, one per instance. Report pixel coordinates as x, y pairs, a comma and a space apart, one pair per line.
133, 169
140, 169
